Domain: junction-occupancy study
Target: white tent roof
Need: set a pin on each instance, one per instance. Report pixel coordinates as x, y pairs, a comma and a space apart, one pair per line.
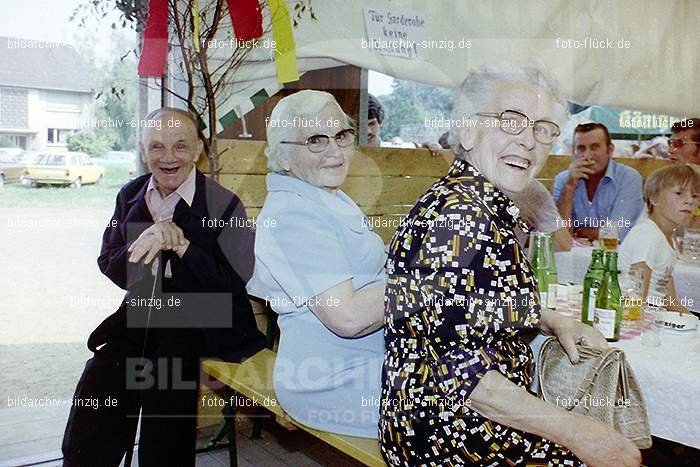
654, 70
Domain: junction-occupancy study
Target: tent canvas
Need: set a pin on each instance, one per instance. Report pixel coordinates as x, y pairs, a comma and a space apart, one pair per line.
625, 54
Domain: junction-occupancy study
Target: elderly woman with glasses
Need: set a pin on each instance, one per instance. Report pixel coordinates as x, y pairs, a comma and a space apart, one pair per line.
321, 269
461, 301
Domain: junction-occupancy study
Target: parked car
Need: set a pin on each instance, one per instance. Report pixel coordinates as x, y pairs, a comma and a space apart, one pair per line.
70, 168
11, 151
12, 168
27, 157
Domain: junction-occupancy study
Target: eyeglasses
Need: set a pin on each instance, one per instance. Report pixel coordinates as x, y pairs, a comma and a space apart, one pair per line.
677, 143
318, 143
514, 123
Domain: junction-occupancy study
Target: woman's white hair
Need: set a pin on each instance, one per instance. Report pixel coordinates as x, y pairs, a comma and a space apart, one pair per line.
477, 94
283, 126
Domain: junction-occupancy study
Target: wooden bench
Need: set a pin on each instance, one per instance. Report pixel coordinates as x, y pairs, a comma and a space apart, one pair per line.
385, 183
253, 379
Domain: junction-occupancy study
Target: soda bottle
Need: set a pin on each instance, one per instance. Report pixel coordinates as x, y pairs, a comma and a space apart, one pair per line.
591, 283
539, 258
551, 272
608, 309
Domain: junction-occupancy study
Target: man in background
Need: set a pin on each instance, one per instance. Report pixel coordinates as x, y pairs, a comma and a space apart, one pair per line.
684, 143
375, 117
684, 148
595, 190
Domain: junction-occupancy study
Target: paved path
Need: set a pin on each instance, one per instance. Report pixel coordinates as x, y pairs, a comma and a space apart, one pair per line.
52, 296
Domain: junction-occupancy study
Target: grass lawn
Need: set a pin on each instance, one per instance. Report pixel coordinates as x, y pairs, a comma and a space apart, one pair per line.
89, 196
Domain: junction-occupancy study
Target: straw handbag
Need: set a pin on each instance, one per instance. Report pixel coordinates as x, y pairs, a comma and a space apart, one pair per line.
601, 386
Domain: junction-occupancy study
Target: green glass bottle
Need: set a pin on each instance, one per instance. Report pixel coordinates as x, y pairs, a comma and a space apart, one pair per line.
591, 283
540, 264
608, 308
551, 272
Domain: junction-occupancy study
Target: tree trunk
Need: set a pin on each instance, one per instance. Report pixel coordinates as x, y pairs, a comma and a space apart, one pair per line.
213, 157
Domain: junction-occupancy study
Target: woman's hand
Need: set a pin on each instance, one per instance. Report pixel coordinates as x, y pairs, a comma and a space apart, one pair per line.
600, 446
570, 332
497, 398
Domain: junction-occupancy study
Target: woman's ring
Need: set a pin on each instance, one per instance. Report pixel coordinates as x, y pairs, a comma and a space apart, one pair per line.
583, 341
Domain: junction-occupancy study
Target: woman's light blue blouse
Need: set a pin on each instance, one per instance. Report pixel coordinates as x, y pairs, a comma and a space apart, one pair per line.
307, 241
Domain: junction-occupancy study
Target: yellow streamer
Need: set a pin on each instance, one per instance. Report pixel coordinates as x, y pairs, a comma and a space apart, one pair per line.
285, 48
195, 21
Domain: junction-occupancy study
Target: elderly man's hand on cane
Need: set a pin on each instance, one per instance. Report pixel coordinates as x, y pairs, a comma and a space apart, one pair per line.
165, 235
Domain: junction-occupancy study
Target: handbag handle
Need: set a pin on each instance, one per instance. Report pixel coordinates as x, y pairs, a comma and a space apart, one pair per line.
585, 351
623, 377
589, 379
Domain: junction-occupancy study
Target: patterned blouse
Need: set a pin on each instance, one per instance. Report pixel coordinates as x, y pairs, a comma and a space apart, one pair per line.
460, 296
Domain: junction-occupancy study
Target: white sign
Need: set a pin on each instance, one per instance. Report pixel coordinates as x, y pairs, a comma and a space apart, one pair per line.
396, 33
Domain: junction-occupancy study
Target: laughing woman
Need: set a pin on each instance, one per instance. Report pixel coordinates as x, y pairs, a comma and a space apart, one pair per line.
461, 298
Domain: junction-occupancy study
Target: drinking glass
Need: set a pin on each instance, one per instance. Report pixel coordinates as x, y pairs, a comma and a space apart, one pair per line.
575, 299
608, 234
677, 239
689, 246
632, 292
653, 326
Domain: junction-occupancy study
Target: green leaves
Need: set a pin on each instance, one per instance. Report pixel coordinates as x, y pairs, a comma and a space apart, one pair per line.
410, 103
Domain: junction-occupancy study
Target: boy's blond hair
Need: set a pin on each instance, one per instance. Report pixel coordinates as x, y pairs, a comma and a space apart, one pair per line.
682, 175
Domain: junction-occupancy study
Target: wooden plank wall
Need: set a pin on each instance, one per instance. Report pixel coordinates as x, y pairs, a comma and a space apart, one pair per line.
343, 82
384, 182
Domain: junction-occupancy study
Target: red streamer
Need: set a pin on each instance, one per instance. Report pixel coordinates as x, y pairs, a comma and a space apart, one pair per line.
155, 40
246, 18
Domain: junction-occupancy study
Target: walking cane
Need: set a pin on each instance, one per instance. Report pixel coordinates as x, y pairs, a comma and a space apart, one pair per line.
132, 436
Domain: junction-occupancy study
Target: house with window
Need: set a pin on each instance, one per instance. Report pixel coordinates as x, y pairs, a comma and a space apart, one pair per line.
46, 93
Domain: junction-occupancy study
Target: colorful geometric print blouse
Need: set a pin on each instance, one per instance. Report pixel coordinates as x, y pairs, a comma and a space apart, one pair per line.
460, 295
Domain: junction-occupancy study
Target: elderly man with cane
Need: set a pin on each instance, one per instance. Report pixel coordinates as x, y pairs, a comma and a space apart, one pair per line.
177, 243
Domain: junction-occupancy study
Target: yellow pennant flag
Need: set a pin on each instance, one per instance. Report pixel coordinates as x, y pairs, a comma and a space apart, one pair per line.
195, 21
285, 48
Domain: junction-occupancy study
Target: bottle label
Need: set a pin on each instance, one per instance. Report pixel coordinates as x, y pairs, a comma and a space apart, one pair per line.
552, 296
604, 321
592, 296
